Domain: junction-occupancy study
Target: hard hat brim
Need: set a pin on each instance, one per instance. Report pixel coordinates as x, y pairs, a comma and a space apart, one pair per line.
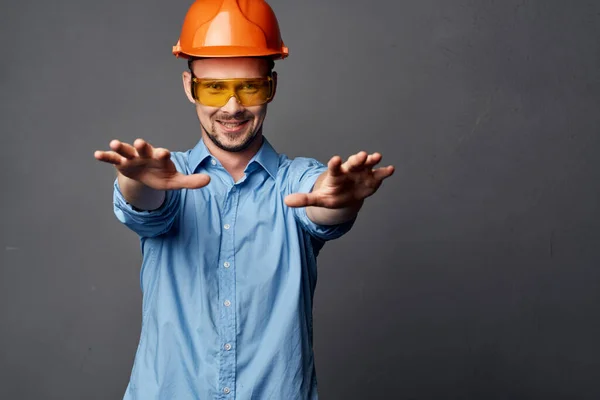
230, 51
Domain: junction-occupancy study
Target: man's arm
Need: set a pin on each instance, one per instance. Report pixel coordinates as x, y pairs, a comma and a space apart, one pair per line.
147, 180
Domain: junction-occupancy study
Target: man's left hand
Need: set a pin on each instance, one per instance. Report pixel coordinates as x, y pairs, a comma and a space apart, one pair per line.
344, 185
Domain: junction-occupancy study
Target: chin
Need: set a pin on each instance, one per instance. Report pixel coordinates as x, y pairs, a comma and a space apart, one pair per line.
234, 146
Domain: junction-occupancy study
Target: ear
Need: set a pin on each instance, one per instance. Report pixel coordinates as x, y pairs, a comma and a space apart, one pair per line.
187, 85
274, 75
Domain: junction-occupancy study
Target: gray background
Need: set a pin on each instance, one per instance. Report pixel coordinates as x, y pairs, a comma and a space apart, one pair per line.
472, 274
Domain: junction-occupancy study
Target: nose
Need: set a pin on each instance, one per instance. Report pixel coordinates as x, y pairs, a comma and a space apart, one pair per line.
232, 106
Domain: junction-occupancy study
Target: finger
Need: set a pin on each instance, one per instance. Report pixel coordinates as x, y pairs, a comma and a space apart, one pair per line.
335, 166
355, 162
301, 200
124, 149
384, 172
373, 160
194, 181
109, 157
162, 154
143, 148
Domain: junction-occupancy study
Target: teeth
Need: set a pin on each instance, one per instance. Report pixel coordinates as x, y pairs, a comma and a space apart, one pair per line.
231, 124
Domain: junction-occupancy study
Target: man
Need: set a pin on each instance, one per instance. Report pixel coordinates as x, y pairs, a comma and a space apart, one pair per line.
230, 230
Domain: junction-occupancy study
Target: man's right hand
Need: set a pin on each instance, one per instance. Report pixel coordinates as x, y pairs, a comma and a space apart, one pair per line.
150, 166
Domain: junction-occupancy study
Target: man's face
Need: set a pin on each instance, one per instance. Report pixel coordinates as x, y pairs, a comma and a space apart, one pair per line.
231, 127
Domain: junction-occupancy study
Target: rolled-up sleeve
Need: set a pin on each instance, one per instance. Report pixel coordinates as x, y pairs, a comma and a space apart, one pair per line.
304, 173
147, 223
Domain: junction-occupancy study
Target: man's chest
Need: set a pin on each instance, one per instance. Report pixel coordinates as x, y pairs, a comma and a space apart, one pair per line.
239, 223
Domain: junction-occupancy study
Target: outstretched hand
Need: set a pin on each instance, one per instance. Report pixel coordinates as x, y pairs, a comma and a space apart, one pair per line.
344, 184
149, 165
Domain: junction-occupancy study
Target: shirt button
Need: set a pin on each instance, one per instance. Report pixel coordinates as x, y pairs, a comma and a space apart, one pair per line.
213, 162
227, 347
227, 303
226, 390
226, 264
226, 226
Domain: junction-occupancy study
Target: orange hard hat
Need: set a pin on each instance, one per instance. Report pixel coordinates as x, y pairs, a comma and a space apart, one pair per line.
230, 28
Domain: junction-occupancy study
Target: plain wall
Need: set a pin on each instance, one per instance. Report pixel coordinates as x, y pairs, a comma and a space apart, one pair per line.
472, 274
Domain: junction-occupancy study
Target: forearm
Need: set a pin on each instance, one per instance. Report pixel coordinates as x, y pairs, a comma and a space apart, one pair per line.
139, 195
330, 216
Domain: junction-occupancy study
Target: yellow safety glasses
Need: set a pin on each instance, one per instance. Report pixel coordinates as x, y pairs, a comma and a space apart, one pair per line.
248, 91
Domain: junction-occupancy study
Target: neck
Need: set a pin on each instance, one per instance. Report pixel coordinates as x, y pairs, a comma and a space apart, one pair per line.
234, 162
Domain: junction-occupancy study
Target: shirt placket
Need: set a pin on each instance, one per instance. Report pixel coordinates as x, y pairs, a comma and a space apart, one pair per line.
227, 298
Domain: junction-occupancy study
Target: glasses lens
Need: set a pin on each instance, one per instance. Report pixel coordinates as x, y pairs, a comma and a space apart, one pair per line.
254, 92
217, 92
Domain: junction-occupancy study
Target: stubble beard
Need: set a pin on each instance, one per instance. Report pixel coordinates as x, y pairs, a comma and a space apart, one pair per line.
248, 137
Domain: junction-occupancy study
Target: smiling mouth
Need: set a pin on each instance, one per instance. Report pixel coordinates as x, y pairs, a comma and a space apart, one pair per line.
233, 126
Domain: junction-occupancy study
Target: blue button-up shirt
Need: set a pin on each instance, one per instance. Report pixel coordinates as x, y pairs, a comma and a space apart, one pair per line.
228, 276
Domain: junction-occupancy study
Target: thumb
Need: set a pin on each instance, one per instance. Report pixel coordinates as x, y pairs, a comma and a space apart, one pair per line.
194, 181
301, 200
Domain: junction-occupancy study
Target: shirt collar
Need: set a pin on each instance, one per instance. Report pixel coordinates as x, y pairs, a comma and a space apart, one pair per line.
266, 157
197, 155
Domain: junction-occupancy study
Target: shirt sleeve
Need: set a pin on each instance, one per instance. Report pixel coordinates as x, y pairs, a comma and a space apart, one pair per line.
147, 223
304, 174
